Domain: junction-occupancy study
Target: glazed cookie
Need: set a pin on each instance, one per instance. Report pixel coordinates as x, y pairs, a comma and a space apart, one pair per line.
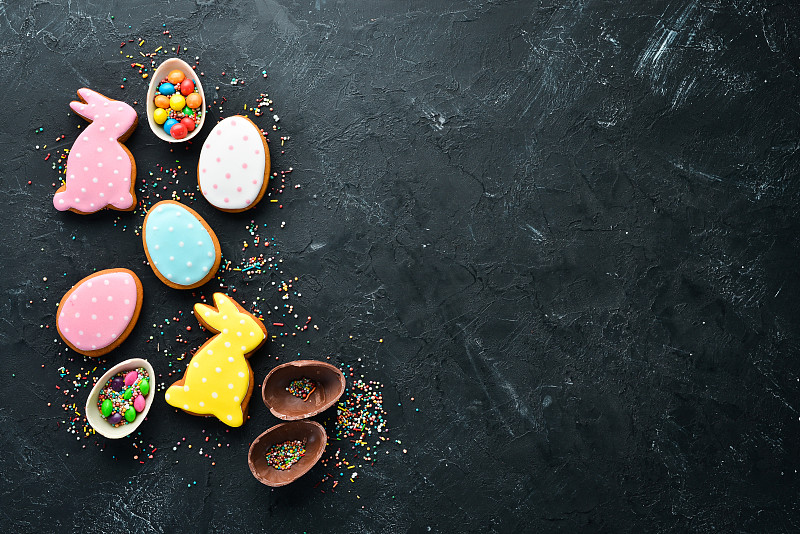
181, 247
219, 380
101, 171
233, 171
99, 312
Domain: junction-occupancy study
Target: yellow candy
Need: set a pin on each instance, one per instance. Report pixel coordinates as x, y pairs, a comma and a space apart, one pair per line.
177, 102
160, 115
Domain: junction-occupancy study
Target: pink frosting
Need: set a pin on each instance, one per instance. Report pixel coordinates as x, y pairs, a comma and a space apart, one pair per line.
98, 310
99, 169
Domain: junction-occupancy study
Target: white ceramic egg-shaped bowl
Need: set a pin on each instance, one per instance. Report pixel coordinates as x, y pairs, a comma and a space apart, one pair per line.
93, 414
161, 73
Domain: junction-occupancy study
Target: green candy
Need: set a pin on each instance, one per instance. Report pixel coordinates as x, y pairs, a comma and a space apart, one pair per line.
106, 408
128, 394
188, 111
130, 414
144, 387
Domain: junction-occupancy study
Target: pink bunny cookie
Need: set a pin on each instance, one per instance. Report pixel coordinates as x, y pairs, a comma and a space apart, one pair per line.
101, 171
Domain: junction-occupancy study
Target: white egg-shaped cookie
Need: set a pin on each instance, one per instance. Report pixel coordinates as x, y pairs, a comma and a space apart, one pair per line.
233, 171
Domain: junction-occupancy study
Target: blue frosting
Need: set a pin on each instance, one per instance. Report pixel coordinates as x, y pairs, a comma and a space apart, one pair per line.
180, 247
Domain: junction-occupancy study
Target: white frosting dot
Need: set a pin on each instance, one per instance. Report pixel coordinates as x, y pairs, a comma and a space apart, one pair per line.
230, 386
218, 369
241, 374
214, 395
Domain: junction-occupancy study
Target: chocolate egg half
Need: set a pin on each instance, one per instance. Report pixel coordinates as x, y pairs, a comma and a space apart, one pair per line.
310, 432
181, 247
329, 384
99, 312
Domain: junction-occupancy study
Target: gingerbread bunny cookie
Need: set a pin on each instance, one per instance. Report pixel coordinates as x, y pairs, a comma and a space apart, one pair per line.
101, 171
219, 380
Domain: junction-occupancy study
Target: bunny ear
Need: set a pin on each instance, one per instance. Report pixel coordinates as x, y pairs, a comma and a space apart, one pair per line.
206, 314
225, 305
81, 109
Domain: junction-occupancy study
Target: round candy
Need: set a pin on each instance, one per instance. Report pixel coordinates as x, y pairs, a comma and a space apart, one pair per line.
117, 383
188, 111
178, 131
131, 377
177, 102
106, 407
160, 115
115, 418
166, 89
189, 123
194, 100
187, 87
139, 403
130, 414
169, 124
128, 394
176, 76
161, 101
144, 386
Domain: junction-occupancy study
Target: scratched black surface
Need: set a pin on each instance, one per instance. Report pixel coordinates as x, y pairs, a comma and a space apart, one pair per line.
573, 223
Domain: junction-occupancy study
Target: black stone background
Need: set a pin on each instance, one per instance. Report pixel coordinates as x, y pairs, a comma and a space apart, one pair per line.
573, 223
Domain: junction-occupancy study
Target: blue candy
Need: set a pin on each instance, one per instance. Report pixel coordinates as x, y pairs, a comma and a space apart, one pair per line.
169, 124
166, 89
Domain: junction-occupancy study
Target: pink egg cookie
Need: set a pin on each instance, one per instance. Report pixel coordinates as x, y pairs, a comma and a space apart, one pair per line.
99, 312
233, 171
100, 171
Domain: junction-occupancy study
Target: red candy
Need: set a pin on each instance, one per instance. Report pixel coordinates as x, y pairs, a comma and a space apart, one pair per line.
189, 123
178, 131
187, 87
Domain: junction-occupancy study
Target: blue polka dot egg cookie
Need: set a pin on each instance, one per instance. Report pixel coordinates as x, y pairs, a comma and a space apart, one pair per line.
181, 247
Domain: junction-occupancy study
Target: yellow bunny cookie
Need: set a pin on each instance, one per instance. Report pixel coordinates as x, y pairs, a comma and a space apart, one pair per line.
218, 380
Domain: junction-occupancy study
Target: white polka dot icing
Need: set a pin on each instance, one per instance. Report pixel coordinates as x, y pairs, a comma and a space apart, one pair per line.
233, 170
99, 310
181, 248
105, 159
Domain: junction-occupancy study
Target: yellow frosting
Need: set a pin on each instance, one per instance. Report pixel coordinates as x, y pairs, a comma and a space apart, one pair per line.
218, 376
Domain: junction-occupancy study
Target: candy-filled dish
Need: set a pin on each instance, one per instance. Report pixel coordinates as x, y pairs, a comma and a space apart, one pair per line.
301, 389
176, 104
286, 452
121, 398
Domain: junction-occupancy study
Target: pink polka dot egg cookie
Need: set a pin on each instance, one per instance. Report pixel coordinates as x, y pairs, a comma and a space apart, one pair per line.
98, 313
233, 171
176, 105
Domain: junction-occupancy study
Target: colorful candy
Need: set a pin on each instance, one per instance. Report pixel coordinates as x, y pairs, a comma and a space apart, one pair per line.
169, 124
194, 100
124, 396
187, 87
178, 131
283, 456
302, 388
161, 101
160, 115
178, 104
175, 77
189, 123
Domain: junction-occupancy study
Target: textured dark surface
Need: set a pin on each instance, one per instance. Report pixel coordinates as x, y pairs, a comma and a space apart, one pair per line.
574, 225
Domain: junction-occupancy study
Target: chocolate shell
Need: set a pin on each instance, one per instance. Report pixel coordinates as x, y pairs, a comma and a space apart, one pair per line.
315, 440
330, 384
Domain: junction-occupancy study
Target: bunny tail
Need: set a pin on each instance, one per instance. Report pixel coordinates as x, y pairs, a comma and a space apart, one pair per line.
60, 201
